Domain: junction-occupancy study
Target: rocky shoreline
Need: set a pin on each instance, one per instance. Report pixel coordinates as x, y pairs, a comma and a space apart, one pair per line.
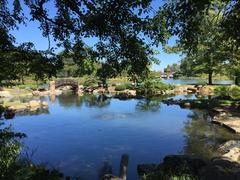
225, 166
191, 167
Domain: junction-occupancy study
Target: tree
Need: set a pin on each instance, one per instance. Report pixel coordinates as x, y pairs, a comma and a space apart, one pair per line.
201, 50
119, 26
186, 67
16, 62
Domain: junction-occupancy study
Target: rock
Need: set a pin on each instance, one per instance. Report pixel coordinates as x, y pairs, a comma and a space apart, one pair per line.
123, 96
40, 93
45, 104
80, 92
186, 104
57, 92
220, 169
191, 90
131, 92
205, 90
52, 86
33, 104
95, 91
233, 154
227, 146
198, 86
36, 93
232, 123
180, 90
81, 87
219, 112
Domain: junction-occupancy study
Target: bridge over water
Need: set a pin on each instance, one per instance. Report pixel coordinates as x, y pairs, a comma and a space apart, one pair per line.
63, 82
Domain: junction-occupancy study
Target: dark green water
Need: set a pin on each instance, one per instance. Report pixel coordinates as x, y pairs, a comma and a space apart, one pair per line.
84, 136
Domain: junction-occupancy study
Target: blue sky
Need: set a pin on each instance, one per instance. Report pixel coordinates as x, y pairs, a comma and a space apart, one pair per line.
32, 33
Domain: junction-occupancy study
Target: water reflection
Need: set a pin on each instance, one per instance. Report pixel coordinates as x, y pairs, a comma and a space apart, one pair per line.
96, 100
151, 104
90, 100
202, 138
74, 137
148, 105
69, 99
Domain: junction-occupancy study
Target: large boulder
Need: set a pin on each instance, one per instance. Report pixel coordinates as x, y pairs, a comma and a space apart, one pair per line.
131, 92
36, 93
205, 91
45, 104
192, 90
227, 146
220, 169
80, 92
34, 104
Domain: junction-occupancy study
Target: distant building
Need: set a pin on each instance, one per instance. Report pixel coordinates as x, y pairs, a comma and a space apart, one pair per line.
167, 75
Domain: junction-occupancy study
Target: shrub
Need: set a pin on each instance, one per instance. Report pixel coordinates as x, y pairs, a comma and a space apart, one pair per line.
90, 82
235, 92
151, 87
122, 87
222, 91
232, 91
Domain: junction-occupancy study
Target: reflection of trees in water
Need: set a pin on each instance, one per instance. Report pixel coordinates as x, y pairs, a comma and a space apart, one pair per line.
10, 114
91, 100
96, 100
70, 99
202, 137
150, 104
37, 111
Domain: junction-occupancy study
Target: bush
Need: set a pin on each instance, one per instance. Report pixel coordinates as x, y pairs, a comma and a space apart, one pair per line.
231, 91
90, 82
122, 87
151, 87
235, 92
222, 91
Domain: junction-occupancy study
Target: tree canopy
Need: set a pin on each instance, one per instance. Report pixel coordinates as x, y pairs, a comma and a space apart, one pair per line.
126, 31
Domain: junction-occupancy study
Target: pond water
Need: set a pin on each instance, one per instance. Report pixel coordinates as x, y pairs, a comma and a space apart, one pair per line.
194, 81
85, 136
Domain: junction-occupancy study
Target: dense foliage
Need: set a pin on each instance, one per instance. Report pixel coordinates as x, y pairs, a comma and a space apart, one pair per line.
125, 32
17, 62
203, 35
152, 87
228, 91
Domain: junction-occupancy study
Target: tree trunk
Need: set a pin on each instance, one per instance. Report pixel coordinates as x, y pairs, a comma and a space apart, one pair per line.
210, 77
236, 80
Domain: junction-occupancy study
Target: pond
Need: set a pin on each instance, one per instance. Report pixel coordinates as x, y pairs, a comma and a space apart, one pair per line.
194, 81
85, 136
